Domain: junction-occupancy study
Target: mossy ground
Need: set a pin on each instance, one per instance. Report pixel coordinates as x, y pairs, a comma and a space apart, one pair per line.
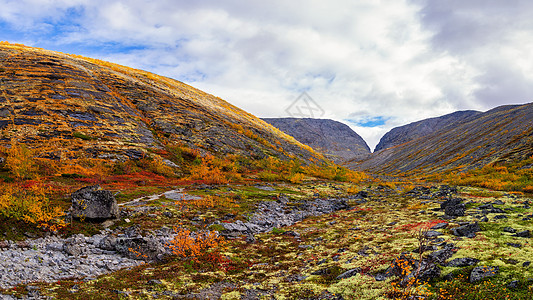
281, 265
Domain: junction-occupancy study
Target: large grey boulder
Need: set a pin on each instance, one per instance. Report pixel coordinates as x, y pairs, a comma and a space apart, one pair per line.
92, 203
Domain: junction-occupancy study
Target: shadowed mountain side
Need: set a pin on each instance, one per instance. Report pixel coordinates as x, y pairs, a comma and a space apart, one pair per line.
501, 134
413, 131
101, 109
334, 139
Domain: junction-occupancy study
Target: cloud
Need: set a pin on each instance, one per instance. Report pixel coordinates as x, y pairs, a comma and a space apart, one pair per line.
359, 60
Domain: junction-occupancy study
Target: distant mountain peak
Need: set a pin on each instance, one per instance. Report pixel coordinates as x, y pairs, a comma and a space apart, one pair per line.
334, 139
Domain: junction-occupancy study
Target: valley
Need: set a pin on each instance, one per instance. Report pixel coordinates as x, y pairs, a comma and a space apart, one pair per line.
117, 183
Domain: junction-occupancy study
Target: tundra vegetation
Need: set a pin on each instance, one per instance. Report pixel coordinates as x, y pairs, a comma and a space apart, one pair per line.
409, 237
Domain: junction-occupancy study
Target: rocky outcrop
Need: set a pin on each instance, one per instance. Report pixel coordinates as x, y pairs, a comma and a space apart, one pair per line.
334, 139
406, 133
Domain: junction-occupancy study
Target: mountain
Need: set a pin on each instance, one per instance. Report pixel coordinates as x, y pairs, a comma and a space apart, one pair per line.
406, 133
334, 139
74, 104
503, 134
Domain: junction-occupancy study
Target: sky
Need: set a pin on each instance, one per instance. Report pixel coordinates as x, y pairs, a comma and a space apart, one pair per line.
371, 64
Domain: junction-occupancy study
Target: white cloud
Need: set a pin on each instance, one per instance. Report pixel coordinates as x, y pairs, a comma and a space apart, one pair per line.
402, 60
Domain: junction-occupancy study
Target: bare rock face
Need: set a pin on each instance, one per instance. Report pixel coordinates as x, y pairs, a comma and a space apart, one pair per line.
94, 204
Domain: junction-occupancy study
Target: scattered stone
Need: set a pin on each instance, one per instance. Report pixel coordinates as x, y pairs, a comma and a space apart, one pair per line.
526, 264
482, 272
509, 229
453, 207
499, 217
468, 231
349, 273
484, 219
432, 234
440, 226
498, 202
462, 262
514, 245
524, 234
94, 204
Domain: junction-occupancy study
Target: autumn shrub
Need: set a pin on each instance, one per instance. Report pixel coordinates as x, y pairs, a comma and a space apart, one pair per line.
20, 161
195, 245
516, 176
352, 189
296, 178
29, 203
268, 176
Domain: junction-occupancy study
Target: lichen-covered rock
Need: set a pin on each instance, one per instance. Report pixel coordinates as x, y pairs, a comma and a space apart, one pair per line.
94, 204
481, 272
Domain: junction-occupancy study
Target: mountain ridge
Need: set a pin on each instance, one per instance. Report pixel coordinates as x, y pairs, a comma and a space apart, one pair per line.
500, 134
119, 111
418, 129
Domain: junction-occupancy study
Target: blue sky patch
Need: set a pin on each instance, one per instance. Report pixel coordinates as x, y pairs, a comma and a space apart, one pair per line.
370, 121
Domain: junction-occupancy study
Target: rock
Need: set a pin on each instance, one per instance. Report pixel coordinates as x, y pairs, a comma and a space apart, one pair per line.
439, 226
432, 234
514, 245
141, 248
108, 243
440, 256
349, 273
484, 219
456, 211
481, 272
526, 264
94, 204
509, 229
73, 245
513, 284
524, 234
462, 262
498, 217
466, 230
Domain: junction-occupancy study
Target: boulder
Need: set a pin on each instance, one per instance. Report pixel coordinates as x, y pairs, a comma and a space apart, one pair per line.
94, 204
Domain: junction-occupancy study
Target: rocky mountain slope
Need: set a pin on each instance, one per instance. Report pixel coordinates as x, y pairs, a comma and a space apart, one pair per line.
334, 139
75, 104
406, 133
502, 134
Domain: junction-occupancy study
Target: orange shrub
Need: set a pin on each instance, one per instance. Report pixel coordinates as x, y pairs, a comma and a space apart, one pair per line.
196, 246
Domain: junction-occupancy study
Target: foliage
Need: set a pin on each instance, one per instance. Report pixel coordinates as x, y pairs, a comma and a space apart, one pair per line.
517, 176
196, 246
29, 203
20, 161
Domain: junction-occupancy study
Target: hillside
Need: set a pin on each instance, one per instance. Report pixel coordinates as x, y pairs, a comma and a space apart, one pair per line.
335, 140
412, 131
498, 135
90, 108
